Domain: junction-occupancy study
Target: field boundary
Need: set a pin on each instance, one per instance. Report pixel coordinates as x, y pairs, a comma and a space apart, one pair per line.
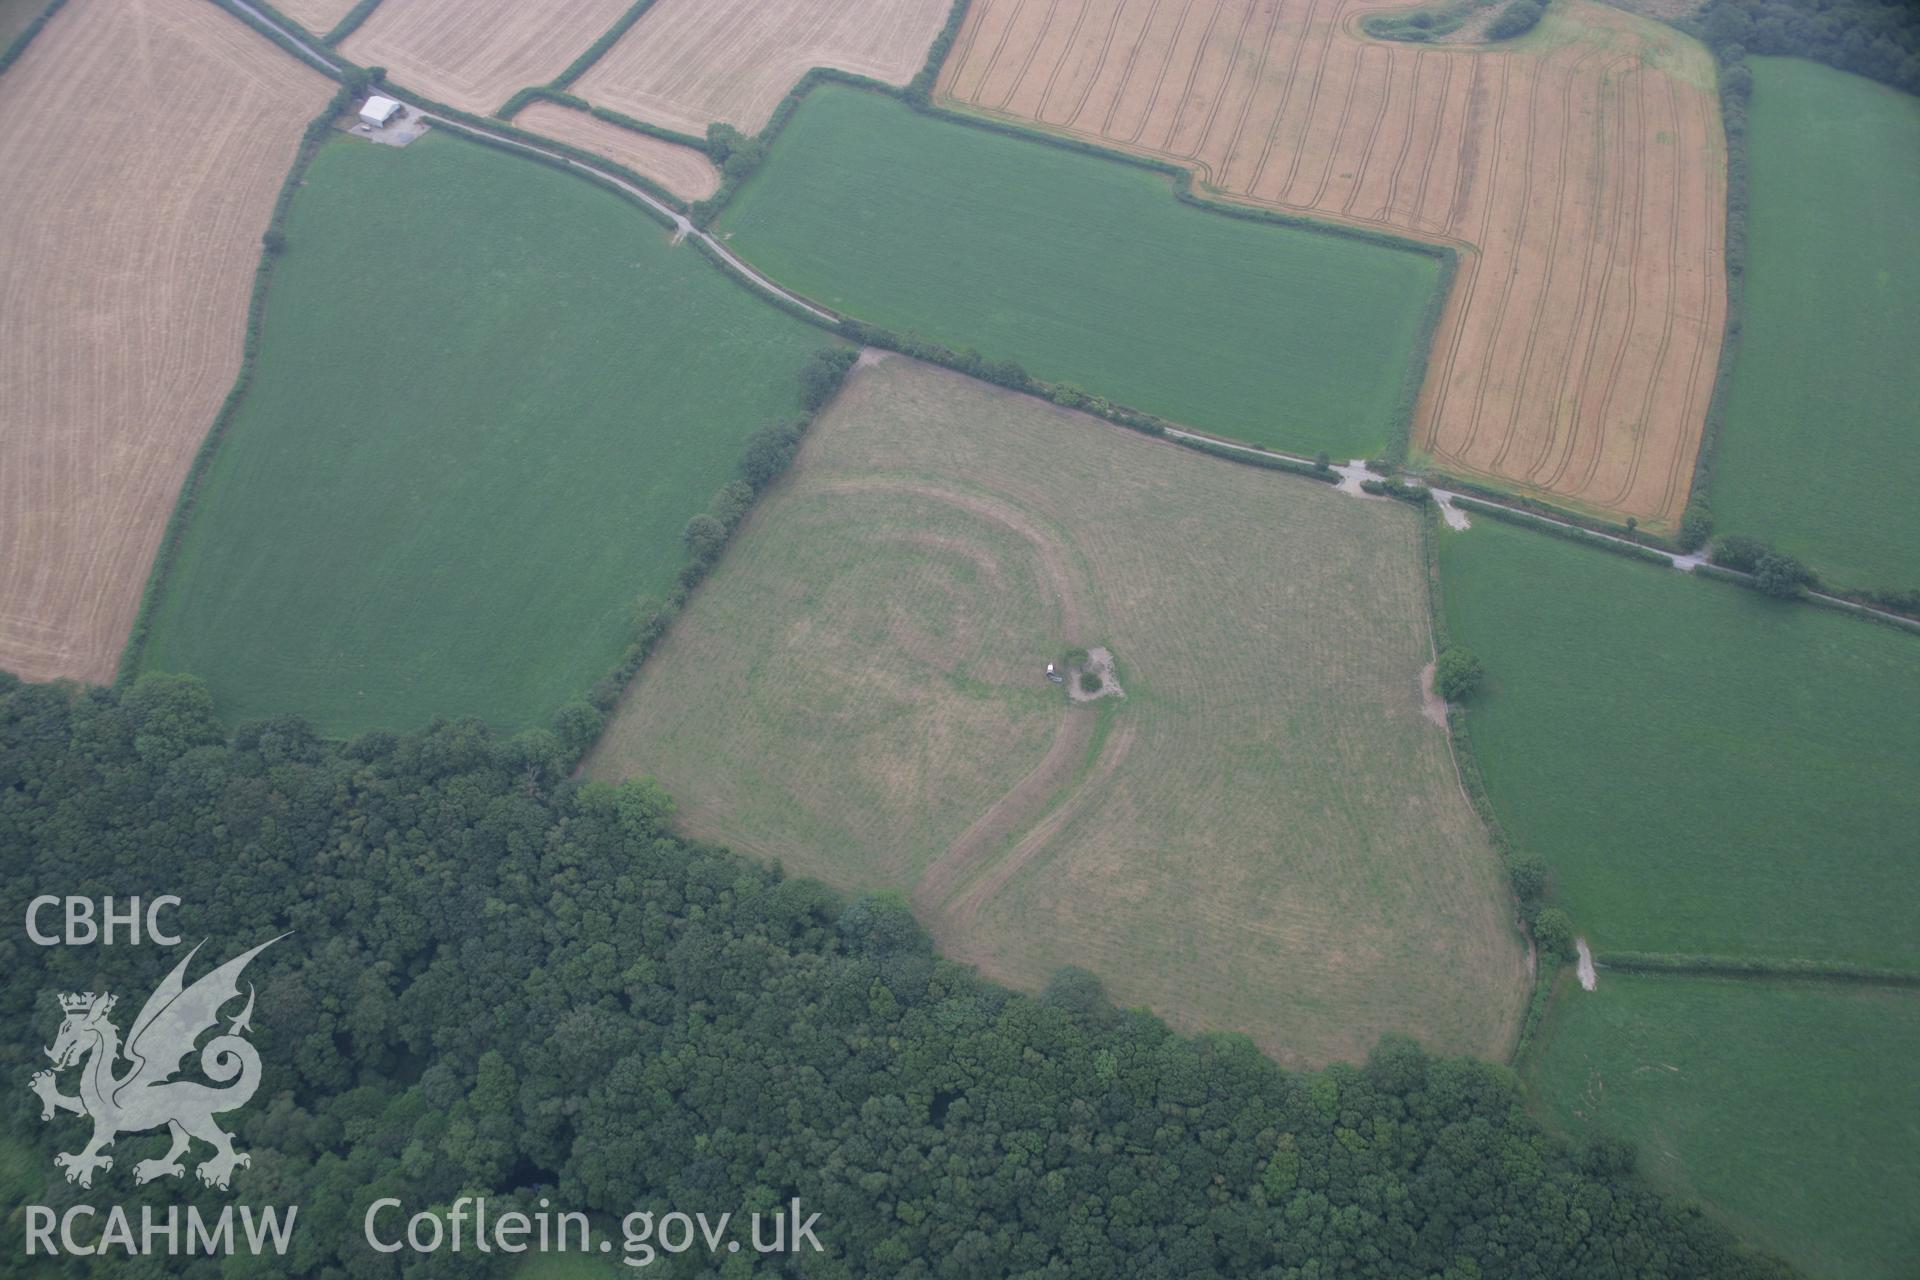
350, 23
598, 49
561, 97
168, 552
267, 10
289, 35
25, 38
1734, 239
559, 85
1558, 529
1738, 967
1546, 510
1735, 82
1466, 769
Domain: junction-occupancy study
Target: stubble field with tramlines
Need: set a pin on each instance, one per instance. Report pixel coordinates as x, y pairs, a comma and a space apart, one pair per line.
129, 311
682, 170
317, 16
688, 63
474, 54
1579, 171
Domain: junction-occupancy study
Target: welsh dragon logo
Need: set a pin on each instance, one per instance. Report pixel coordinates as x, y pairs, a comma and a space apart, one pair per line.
145, 1096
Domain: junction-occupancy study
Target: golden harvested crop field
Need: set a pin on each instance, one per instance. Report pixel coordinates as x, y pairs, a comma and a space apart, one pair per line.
1580, 170
144, 142
681, 170
317, 16
1265, 835
688, 63
475, 54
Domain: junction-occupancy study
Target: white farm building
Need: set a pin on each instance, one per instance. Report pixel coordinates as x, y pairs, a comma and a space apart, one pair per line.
378, 111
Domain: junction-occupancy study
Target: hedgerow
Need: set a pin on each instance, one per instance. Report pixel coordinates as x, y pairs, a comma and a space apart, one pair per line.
593, 52
1743, 967
351, 22
25, 38
279, 37
764, 458
1571, 533
1256, 458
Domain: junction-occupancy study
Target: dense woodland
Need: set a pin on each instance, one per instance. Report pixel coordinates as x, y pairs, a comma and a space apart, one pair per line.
1879, 39
504, 980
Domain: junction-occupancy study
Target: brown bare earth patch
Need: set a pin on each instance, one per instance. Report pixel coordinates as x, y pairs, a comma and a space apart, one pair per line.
1580, 172
689, 63
143, 143
317, 16
1264, 834
681, 170
475, 54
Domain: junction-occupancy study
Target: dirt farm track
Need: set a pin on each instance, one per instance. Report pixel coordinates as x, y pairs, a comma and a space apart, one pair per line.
138, 185
1580, 171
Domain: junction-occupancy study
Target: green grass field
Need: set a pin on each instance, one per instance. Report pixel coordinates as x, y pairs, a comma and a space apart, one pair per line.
1821, 446
1792, 1109
1087, 271
1265, 835
1705, 770
488, 398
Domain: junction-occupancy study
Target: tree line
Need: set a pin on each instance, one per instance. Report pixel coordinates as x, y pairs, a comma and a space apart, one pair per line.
1878, 39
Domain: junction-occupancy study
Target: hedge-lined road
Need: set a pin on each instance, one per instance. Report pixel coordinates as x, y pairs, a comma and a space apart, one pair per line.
683, 227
